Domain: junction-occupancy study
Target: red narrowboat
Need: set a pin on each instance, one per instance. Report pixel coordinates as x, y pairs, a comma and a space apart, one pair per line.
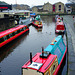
12, 33
60, 27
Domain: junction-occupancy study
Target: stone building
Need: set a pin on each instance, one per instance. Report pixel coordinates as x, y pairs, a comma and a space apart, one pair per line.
59, 7
70, 8
20, 7
37, 9
47, 6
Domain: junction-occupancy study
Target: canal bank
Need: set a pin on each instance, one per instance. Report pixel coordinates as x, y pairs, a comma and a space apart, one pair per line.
69, 23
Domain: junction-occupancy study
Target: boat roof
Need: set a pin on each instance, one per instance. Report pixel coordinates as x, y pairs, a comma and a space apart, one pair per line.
57, 47
32, 14
60, 23
6, 32
40, 64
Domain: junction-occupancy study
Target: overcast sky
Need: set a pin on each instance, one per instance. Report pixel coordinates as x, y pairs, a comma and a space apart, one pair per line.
33, 2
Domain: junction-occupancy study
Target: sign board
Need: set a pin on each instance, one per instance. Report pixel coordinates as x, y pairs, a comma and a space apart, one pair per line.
5, 7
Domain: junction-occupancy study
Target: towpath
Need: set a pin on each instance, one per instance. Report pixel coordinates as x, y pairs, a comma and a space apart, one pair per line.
69, 23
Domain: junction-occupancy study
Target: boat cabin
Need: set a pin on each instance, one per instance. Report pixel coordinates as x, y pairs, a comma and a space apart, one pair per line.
38, 22
57, 47
60, 28
12, 33
45, 65
38, 18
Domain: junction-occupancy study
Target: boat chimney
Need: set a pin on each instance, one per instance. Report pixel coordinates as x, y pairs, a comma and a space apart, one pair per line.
31, 57
42, 51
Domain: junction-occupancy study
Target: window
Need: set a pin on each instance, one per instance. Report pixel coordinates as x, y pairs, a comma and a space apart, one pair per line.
53, 67
21, 29
10, 35
61, 46
24, 28
18, 31
5, 38
13, 33
58, 53
26, 13
1, 40
59, 7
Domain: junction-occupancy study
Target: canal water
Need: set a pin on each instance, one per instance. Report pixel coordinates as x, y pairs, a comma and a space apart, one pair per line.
14, 56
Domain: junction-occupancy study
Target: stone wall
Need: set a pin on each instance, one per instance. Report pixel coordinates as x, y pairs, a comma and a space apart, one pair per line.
6, 24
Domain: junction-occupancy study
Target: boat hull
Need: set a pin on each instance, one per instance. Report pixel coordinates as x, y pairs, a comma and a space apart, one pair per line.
37, 25
60, 31
59, 66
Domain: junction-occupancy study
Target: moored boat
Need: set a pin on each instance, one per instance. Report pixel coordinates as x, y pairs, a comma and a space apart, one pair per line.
12, 33
59, 26
49, 61
37, 23
60, 29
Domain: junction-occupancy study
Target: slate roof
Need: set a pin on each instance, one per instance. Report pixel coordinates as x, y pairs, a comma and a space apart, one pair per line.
70, 4
39, 6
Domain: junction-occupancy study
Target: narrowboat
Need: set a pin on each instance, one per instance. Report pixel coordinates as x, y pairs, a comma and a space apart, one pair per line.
60, 27
47, 62
12, 33
37, 24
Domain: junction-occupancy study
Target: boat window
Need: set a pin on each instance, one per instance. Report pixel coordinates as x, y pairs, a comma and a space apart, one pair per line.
58, 53
21, 29
8, 37
61, 46
24, 28
53, 67
13, 33
1, 40
18, 31
5, 38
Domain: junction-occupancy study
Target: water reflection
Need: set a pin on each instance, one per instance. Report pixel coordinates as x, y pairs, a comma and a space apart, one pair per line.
39, 29
48, 19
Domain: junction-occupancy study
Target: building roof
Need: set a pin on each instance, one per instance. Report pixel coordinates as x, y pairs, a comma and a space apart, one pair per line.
39, 6
58, 2
70, 4
47, 3
3, 3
